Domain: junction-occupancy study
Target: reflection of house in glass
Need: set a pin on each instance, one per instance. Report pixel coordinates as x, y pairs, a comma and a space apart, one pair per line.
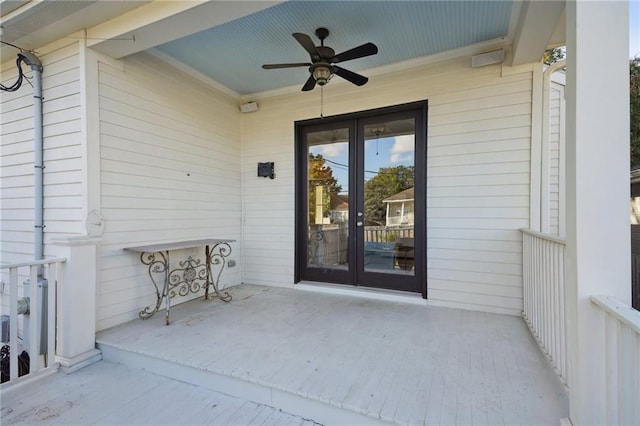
400, 208
339, 208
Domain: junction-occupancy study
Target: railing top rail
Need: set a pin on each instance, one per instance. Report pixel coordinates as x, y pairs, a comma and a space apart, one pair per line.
543, 236
624, 313
32, 263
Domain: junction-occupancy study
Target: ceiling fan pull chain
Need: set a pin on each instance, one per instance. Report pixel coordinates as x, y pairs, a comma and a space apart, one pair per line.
321, 101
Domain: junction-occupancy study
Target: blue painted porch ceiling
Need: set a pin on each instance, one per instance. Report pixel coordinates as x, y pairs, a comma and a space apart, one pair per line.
232, 53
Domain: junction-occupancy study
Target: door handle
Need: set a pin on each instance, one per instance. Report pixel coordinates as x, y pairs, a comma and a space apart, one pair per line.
359, 223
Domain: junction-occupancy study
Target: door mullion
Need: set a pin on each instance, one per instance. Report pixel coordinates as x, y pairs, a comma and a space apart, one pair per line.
353, 206
358, 201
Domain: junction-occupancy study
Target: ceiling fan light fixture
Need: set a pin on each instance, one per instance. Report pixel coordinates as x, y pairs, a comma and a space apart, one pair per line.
322, 73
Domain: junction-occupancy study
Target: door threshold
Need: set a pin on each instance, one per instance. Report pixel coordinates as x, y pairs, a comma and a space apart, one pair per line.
365, 292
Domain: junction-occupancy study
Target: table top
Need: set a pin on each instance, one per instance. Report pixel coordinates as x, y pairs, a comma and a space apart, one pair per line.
177, 245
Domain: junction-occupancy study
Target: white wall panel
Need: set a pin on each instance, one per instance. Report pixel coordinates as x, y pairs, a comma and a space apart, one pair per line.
170, 170
62, 152
178, 161
479, 131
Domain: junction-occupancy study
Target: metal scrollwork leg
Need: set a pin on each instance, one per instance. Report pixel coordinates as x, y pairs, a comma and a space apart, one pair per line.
158, 263
216, 256
190, 276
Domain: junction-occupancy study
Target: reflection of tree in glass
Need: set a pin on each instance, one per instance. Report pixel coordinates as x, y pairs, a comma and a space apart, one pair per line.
560, 53
634, 98
388, 181
320, 175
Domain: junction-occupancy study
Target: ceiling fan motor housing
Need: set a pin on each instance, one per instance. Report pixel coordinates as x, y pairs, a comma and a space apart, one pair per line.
325, 53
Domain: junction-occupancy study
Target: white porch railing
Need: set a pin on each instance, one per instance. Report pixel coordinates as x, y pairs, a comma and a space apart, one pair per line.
30, 331
400, 220
384, 234
544, 295
622, 361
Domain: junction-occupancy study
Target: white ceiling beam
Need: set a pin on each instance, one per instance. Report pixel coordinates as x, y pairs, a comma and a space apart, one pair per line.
8, 6
163, 21
537, 29
36, 23
558, 38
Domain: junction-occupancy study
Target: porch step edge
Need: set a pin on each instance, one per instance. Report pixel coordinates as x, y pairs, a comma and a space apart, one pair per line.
307, 407
367, 293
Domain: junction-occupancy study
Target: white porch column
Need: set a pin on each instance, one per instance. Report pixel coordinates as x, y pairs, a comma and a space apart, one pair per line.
597, 177
76, 320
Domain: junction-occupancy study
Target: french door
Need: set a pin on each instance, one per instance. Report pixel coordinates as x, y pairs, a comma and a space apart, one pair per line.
360, 197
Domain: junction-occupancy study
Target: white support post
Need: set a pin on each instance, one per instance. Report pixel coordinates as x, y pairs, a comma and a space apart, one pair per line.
76, 335
536, 149
562, 184
597, 193
545, 217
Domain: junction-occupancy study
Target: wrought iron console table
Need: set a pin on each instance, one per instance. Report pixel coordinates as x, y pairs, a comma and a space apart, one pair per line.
190, 276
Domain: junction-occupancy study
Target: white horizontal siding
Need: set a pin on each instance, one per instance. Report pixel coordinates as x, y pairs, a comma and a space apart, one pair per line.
64, 198
173, 154
478, 155
555, 160
170, 170
479, 129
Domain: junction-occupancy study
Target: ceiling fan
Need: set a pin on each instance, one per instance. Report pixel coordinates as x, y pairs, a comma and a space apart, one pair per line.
323, 59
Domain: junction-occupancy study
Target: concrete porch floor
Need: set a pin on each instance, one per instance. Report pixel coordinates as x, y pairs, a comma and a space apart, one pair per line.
113, 394
337, 359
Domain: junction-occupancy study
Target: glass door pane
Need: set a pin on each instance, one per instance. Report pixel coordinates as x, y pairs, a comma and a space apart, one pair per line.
327, 215
388, 211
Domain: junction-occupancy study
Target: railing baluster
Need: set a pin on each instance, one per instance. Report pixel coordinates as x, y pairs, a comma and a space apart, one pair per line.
525, 277
635, 395
546, 311
34, 319
553, 301
30, 325
539, 292
535, 279
555, 296
13, 323
625, 379
529, 302
563, 324
610, 363
543, 293
51, 313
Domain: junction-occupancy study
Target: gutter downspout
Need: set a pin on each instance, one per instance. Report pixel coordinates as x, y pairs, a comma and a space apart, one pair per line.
38, 141
38, 154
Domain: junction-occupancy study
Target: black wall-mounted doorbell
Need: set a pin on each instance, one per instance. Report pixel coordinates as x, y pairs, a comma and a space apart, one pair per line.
267, 170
